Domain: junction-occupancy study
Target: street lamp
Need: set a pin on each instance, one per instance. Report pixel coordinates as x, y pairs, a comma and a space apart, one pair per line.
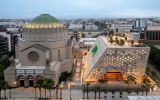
70, 87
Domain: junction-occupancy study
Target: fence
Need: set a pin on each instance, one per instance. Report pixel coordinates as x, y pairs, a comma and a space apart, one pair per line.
107, 86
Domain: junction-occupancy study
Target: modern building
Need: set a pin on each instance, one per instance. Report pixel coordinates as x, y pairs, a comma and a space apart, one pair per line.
124, 26
44, 51
3, 46
152, 35
114, 62
4, 34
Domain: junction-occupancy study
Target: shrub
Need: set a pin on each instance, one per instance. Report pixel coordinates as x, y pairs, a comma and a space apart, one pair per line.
154, 73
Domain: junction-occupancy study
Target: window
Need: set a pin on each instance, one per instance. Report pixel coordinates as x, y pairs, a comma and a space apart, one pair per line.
59, 56
33, 57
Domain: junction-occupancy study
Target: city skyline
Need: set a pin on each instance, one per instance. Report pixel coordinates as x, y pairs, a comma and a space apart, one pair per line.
80, 8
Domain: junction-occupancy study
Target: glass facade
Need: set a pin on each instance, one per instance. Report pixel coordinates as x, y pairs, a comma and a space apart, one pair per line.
113, 75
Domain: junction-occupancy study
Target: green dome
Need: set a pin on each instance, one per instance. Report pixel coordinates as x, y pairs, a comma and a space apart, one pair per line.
44, 21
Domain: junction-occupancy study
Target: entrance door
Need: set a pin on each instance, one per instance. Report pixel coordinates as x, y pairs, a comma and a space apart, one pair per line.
30, 82
21, 82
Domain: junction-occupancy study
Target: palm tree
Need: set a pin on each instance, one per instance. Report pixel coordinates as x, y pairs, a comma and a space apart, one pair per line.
99, 88
1, 87
5, 86
39, 84
143, 87
147, 86
87, 88
45, 85
95, 88
61, 92
83, 90
50, 85
57, 92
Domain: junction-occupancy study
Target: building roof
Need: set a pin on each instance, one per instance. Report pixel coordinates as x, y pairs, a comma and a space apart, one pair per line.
38, 46
44, 21
90, 31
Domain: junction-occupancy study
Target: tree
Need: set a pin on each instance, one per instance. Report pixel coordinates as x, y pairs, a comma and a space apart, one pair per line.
117, 41
120, 93
87, 84
113, 92
99, 88
119, 34
39, 84
83, 90
143, 87
102, 81
123, 35
148, 69
50, 84
125, 38
117, 30
154, 73
129, 91
61, 92
122, 41
116, 38
147, 87
137, 92
146, 79
105, 91
157, 59
132, 42
5, 86
57, 92
1, 87
45, 84
139, 41
111, 41
95, 88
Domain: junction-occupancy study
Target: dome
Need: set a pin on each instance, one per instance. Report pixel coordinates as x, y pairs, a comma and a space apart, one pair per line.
44, 21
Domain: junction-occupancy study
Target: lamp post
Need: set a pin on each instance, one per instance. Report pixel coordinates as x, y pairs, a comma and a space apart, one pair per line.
70, 87
10, 91
35, 93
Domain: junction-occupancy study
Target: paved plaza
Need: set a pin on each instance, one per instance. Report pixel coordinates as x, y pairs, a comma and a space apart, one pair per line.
22, 93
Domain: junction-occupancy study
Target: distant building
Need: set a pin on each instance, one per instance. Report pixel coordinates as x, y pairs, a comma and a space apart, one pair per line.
90, 33
83, 45
90, 27
4, 34
123, 26
3, 46
152, 35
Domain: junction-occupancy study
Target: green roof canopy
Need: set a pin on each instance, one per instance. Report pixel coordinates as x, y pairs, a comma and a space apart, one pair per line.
94, 50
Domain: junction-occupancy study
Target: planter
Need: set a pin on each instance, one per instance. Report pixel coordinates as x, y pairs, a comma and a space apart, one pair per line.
112, 96
105, 96
120, 96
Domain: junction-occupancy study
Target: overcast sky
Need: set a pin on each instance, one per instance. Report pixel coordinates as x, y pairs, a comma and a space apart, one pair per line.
79, 8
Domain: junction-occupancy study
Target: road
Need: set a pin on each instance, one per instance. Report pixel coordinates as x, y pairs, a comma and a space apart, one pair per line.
154, 68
